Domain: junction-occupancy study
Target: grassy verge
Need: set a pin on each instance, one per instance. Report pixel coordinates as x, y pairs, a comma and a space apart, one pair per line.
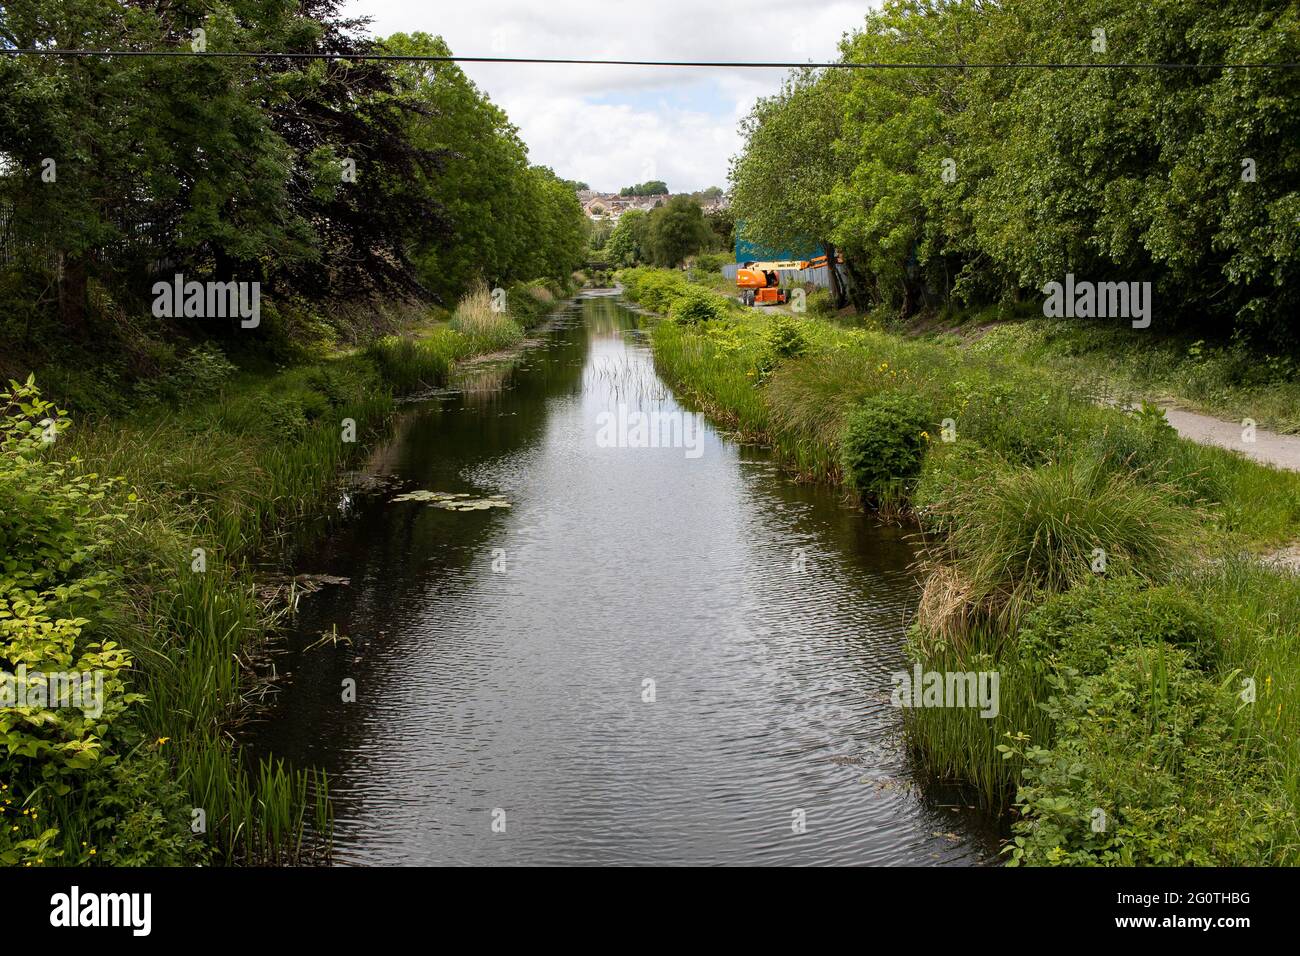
128, 544
1229, 381
1099, 564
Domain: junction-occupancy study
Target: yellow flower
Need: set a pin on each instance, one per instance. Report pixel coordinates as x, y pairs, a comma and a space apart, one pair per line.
163, 740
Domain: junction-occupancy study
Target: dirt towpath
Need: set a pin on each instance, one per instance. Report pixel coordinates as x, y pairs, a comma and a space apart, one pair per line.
1267, 447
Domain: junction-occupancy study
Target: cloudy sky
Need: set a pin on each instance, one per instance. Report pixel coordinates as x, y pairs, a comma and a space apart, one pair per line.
612, 126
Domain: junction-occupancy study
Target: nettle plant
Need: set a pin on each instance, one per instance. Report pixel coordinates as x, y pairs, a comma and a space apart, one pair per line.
53, 527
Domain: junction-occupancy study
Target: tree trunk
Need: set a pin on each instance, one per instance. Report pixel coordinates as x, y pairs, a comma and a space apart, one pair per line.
837, 288
72, 294
911, 298
859, 285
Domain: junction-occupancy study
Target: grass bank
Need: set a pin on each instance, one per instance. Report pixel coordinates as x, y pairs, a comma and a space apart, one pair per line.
1099, 564
128, 543
1232, 381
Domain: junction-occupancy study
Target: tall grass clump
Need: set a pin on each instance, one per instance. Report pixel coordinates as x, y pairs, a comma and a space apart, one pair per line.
708, 373
406, 362
956, 744
487, 325
1017, 533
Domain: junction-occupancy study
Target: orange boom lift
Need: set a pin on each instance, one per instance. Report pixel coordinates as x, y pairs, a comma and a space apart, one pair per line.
759, 283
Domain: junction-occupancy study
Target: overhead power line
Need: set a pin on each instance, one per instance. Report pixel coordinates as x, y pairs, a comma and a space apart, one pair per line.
712, 64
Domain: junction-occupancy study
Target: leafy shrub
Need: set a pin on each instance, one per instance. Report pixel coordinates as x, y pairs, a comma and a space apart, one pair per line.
53, 530
528, 303
884, 443
1153, 745
784, 337
712, 261
1082, 629
656, 289
819, 303
695, 305
199, 374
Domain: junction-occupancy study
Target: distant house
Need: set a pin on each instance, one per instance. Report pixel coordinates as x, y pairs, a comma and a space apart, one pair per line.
612, 205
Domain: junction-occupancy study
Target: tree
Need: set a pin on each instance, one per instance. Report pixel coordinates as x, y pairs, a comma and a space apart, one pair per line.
655, 187
674, 231
627, 243
483, 184
723, 224
781, 181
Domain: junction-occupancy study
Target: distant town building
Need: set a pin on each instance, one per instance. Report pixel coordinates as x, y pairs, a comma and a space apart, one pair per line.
610, 206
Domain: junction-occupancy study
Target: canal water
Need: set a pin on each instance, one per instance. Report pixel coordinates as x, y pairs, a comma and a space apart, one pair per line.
654, 655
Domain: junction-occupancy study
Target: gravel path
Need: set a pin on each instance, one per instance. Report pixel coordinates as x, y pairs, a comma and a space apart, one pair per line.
1268, 447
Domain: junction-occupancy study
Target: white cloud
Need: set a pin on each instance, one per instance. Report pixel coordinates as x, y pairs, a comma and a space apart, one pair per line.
608, 125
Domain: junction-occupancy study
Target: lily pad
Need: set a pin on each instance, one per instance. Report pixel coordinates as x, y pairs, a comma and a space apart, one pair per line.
459, 501
474, 504
423, 495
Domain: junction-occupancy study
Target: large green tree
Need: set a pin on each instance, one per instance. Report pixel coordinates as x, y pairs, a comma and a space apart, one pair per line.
627, 243
782, 180
675, 230
979, 185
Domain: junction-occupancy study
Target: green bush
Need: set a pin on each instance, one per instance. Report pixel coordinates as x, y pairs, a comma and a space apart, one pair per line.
695, 305
1148, 768
884, 443
656, 289
712, 261
53, 536
819, 303
784, 337
1082, 629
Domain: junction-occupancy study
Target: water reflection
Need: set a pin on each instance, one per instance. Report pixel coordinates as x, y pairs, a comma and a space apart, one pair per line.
504, 659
